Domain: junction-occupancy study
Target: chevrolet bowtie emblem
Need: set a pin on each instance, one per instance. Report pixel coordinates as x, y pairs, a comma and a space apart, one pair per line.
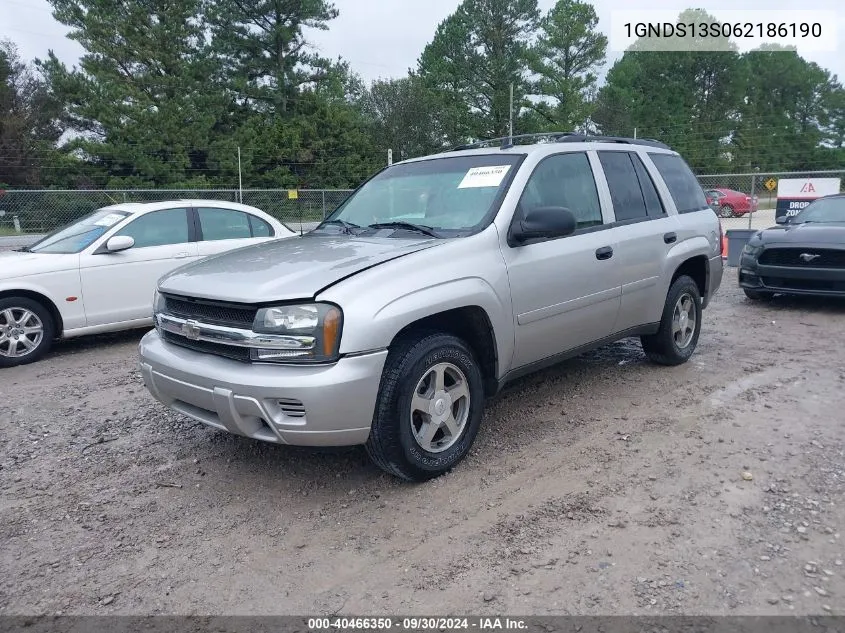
808, 257
191, 330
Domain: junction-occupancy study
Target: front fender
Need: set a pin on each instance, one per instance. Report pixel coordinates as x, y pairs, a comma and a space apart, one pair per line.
379, 302
458, 293
58, 290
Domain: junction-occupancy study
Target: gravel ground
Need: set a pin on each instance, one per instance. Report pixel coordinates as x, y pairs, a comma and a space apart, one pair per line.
604, 485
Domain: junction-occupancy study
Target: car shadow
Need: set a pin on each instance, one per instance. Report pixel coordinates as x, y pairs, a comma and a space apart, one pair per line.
94, 342
830, 305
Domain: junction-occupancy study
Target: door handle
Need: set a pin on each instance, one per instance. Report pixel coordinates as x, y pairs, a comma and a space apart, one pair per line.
180, 255
669, 238
605, 252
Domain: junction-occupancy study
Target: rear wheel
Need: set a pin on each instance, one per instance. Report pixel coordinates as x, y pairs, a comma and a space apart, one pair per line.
757, 295
26, 331
429, 407
726, 211
680, 325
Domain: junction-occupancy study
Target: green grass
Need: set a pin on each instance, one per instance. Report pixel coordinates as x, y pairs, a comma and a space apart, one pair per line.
8, 230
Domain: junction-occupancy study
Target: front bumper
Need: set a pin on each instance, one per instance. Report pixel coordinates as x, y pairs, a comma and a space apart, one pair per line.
318, 405
804, 280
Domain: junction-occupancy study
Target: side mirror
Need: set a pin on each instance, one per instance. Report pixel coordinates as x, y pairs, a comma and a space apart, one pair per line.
783, 219
544, 222
119, 243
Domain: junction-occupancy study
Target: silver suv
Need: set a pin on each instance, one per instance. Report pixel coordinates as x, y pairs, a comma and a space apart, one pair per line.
438, 281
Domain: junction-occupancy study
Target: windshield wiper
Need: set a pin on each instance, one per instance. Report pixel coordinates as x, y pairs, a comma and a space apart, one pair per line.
347, 226
419, 228
23, 249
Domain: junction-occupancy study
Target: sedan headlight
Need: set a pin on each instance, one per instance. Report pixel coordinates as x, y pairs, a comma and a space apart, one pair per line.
302, 333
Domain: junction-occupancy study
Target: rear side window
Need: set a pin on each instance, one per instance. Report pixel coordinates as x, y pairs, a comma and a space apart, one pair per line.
223, 224
259, 227
625, 192
682, 184
652, 201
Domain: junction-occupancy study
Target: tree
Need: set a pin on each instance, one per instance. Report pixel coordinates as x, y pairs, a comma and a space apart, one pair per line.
568, 54
263, 52
789, 109
29, 129
402, 115
476, 55
687, 98
141, 101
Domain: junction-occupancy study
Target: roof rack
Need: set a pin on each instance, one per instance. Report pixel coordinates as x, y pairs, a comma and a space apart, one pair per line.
506, 142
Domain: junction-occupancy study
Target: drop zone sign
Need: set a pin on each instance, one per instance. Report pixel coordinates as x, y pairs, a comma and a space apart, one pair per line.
796, 193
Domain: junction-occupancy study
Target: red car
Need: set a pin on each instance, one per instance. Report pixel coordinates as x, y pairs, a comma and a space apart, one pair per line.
729, 203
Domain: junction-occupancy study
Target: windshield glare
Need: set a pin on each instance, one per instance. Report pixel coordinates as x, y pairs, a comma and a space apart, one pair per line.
450, 195
823, 210
79, 235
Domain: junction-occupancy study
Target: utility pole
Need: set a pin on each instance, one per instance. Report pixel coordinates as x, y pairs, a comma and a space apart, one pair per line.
753, 183
240, 178
510, 117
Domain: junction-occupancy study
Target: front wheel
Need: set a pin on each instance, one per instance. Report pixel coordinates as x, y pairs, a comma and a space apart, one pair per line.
26, 331
680, 325
429, 407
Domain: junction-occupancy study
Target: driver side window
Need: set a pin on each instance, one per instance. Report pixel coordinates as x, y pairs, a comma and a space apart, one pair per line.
565, 180
158, 228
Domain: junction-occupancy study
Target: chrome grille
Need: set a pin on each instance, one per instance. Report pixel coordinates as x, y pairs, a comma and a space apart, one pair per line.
206, 347
214, 312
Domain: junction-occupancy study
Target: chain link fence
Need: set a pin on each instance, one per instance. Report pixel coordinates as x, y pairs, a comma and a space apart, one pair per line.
34, 212
745, 200
748, 200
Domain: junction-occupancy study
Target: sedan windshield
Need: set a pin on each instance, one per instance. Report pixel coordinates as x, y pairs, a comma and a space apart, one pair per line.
822, 210
442, 196
77, 236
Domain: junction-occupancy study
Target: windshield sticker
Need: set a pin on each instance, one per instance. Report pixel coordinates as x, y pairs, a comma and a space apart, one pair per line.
484, 177
109, 220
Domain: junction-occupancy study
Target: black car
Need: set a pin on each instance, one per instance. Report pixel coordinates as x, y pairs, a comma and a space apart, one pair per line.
804, 256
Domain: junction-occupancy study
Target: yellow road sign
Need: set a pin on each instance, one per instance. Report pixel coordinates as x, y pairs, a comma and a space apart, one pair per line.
770, 184
293, 194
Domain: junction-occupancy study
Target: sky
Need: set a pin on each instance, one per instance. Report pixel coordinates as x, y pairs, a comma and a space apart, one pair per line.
384, 38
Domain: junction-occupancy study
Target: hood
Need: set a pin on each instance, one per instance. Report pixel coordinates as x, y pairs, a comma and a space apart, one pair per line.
291, 268
805, 234
15, 264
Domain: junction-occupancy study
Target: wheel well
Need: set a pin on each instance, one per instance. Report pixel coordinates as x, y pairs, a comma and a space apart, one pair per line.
35, 296
695, 267
472, 325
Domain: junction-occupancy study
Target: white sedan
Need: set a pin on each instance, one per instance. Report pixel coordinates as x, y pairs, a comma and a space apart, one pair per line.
98, 274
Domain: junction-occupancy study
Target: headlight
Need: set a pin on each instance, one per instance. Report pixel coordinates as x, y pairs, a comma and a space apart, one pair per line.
752, 249
309, 332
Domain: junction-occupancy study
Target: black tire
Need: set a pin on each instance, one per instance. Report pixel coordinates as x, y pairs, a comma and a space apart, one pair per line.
661, 348
758, 295
16, 304
726, 211
391, 444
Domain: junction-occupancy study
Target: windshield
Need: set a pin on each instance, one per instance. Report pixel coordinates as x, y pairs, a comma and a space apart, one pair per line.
77, 236
448, 196
822, 210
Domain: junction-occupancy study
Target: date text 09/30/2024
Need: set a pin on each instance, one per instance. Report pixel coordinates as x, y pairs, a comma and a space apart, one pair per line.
416, 624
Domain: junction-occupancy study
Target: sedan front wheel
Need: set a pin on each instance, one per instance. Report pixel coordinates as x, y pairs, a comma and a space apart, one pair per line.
26, 331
